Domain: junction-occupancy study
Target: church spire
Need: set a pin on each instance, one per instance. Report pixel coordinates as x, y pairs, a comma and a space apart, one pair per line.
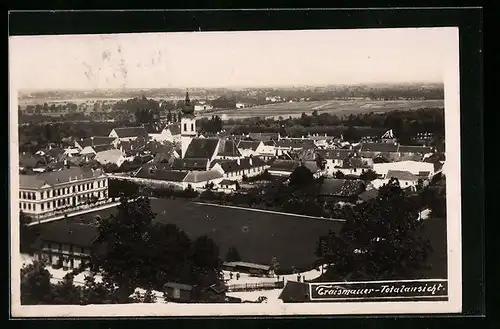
187, 101
188, 108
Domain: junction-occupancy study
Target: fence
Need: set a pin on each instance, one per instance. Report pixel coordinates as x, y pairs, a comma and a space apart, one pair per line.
256, 286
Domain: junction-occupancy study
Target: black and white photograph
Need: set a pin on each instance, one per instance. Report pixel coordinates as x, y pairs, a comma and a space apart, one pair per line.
260, 173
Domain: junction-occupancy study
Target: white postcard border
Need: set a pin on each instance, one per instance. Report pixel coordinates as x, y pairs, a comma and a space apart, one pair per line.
453, 190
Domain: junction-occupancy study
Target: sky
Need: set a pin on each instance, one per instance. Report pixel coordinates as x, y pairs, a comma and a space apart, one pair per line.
230, 59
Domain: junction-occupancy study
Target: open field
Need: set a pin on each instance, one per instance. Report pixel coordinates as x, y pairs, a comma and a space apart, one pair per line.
258, 236
337, 107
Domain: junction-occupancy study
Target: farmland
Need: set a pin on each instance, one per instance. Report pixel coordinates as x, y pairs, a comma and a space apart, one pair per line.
338, 107
258, 236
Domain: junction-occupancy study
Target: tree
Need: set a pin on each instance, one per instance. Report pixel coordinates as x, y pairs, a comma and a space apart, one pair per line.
339, 175
35, 284
368, 175
65, 292
125, 238
301, 177
206, 264
233, 255
275, 265
381, 239
320, 161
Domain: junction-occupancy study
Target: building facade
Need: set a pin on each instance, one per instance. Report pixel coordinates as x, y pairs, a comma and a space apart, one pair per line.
56, 192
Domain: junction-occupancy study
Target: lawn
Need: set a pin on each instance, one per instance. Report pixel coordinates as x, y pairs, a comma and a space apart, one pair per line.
261, 236
333, 106
258, 236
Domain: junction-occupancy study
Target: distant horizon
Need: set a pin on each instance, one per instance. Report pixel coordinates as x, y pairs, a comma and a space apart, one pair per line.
389, 84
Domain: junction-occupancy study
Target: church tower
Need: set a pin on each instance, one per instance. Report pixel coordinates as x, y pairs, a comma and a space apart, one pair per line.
188, 125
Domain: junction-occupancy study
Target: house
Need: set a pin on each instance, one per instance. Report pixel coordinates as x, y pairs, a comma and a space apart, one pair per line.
250, 148
228, 186
334, 159
341, 189
295, 292
126, 134
288, 145
178, 292
236, 169
70, 152
95, 141
245, 267
93, 150
202, 107
228, 149
66, 244
160, 175
283, 168
199, 179
113, 156
406, 179
353, 166
422, 169
388, 137
171, 133
45, 194
264, 136
190, 164
368, 151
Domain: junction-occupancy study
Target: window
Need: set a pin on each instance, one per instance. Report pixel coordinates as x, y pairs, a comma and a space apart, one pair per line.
20, 197
48, 205
53, 204
185, 127
29, 206
42, 206
192, 127
34, 207
74, 189
41, 195
24, 205
34, 196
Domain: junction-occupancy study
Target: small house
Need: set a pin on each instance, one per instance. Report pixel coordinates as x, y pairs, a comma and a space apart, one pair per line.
178, 292
245, 267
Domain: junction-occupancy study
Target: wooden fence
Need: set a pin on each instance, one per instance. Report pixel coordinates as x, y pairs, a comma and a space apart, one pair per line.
256, 286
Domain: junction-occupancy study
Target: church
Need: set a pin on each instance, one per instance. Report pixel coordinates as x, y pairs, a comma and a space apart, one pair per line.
203, 160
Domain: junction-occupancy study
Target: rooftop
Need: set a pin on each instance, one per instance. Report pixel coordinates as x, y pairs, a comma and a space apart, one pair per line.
64, 232
189, 164
57, 177
160, 171
131, 132
401, 175
96, 140
248, 265
228, 148
202, 176
202, 148
249, 145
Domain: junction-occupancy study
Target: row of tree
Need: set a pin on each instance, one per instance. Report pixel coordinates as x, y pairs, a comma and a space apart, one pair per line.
405, 124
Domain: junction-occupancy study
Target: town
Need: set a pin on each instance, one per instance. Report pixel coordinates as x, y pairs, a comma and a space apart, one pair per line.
220, 186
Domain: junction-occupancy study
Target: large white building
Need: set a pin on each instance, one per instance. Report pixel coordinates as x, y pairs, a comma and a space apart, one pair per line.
422, 169
53, 193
